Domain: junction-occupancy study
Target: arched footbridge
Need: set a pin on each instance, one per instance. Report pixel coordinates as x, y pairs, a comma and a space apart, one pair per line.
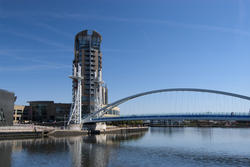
97, 116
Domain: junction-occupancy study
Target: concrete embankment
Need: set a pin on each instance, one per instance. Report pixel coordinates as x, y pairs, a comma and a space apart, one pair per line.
20, 132
124, 130
63, 133
20, 135
113, 130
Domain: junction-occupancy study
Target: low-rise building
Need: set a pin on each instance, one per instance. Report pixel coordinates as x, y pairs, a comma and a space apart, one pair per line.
47, 111
18, 113
7, 100
113, 112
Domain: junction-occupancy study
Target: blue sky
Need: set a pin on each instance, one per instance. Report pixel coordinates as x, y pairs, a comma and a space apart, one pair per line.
146, 45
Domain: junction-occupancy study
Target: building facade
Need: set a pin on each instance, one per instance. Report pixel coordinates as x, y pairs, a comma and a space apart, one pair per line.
47, 111
18, 114
113, 112
88, 55
7, 100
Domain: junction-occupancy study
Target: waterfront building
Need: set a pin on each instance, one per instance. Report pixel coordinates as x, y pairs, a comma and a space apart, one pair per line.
47, 111
18, 113
113, 112
88, 55
26, 116
7, 100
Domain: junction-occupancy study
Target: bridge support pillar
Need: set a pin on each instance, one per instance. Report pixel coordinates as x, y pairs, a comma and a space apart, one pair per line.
95, 127
75, 126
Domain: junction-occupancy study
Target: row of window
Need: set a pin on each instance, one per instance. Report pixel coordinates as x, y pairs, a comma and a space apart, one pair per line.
18, 112
93, 44
113, 112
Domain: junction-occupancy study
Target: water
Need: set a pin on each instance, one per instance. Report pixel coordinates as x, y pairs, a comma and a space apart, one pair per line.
159, 147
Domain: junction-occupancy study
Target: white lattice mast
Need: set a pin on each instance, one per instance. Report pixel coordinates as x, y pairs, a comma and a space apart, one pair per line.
98, 91
76, 107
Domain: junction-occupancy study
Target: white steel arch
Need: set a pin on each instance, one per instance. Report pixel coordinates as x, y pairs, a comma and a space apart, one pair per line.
123, 100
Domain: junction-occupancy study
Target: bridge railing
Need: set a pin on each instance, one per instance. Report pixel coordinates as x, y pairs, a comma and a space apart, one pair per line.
202, 113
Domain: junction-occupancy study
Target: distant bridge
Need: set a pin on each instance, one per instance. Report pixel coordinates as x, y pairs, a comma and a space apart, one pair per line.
177, 117
97, 116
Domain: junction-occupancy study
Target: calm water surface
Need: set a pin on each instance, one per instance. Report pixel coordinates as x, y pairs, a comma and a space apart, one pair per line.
158, 147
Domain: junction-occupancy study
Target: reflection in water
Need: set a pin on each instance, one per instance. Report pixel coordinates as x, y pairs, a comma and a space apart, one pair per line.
205, 133
96, 149
5, 154
89, 151
168, 131
158, 147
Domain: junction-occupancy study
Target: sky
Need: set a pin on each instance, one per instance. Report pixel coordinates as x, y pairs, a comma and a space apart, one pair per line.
147, 44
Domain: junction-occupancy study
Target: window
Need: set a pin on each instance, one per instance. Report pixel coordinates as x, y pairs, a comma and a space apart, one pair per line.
2, 118
19, 111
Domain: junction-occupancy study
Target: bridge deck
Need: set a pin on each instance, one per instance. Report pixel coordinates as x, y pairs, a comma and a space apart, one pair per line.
222, 117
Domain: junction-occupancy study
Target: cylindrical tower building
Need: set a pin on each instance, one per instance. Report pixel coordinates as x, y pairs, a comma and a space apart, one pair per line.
87, 53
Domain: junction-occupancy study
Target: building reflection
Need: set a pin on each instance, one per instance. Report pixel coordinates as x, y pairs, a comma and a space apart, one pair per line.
79, 151
5, 154
96, 150
167, 131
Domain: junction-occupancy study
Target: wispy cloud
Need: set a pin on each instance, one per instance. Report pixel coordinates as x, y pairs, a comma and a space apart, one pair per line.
216, 28
38, 39
33, 67
242, 12
28, 50
36, 63
54, 29
91, 16
35, 38
152, 21
121, 50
